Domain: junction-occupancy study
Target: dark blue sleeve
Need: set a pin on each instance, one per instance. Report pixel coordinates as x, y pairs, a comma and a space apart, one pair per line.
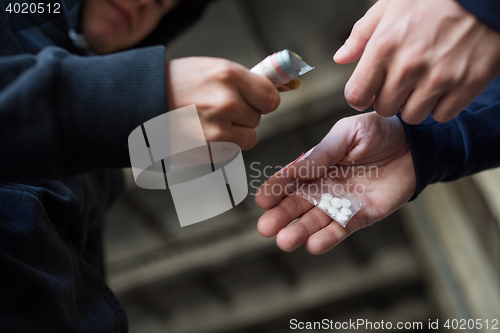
488, 11
468, 144
62, 114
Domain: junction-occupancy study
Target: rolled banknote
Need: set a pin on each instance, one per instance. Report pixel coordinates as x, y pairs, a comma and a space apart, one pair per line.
283, 68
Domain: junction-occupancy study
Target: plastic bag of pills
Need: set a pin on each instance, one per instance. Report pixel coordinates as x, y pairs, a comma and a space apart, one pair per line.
329, 196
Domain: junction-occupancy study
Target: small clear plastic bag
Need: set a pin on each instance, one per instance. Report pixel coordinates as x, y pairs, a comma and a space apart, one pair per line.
328, 195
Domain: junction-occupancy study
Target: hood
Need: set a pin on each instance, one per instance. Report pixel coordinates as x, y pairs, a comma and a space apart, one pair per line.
33, 36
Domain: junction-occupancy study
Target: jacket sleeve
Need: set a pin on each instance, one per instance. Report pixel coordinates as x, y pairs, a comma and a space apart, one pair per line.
468, 144
62, 114
488, 11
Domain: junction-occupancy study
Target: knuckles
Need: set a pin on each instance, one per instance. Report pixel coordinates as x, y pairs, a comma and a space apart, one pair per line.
441, 117
214, 134
383, 110
413, 64
251, 140
441, 80
411, 117
226, 101
244, 138
355, 99
385, 43
254, 122
229, 73
357, 29
226, 72
274, 100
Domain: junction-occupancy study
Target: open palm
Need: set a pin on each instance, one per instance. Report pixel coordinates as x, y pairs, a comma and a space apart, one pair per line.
366, 142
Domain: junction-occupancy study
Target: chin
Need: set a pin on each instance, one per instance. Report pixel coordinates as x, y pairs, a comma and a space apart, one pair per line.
102, 38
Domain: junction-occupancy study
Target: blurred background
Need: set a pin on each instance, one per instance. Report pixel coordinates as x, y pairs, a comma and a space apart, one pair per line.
436, 258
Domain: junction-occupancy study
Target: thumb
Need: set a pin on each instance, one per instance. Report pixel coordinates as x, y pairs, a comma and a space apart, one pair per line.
361, 33
330, 151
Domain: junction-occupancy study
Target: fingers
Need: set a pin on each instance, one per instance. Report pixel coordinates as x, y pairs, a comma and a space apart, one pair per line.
244, 115
327, 238
418, 105
436, 60
364, 81
230, 119
245, 137
443, 103
275, 219
449, 106
296, 234
361, 33
258, 91
398, 84
369, 73
314, 228
271, 192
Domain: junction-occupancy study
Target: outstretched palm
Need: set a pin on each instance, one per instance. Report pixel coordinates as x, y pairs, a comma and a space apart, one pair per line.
376, 151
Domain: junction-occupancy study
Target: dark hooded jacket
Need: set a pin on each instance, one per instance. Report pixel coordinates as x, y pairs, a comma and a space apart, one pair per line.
64, 122
65, 119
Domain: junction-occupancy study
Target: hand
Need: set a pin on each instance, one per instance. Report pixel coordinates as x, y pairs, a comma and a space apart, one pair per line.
363, 141
229, 98
429, 56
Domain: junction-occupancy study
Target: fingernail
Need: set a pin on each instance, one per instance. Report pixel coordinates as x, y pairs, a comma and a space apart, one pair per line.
339, 52
306, 155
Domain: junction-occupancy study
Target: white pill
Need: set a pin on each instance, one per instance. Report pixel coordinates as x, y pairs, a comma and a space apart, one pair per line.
346, 203
326, 196
346, 211
324, 204
336, 203
342, 218
333, 211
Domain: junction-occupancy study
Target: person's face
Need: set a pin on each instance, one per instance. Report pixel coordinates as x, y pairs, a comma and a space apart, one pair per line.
113, 25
